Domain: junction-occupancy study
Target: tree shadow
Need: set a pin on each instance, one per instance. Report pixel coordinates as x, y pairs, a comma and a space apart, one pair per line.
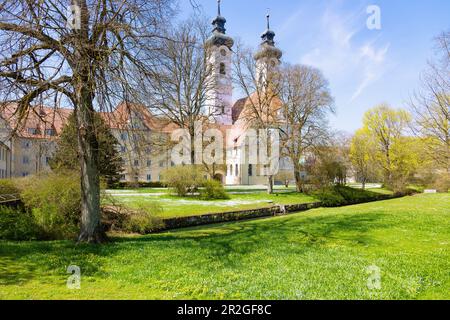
228, 244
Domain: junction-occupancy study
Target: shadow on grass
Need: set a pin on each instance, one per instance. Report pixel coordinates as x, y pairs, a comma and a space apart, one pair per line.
226, 243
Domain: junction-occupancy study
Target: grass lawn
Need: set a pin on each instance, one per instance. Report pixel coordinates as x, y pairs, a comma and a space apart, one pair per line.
173, 206
320, 254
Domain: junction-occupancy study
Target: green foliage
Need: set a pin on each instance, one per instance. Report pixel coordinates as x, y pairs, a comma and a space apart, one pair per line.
17, 224
213, 190
109, 160
382, 143
8, 186
53, 199
143, 219
183, 179
341, 195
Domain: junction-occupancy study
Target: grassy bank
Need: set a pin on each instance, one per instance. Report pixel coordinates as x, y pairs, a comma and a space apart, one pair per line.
322, 254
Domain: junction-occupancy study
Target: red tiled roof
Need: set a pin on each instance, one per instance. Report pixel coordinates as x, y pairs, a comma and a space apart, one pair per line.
37, 120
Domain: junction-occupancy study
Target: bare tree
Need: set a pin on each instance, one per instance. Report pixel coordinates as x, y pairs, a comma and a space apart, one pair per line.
431, 106
306, 101
178, 88
83, 53
261, 93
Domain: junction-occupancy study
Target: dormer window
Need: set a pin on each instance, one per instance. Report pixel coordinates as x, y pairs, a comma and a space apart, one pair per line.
222, 68
33, 131
50, 132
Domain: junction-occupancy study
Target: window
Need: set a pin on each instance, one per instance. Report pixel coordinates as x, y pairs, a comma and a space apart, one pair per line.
250, 170
149, 177
123, 136
231, 169
25, 160
33, 131
236, 170
149, 163
25, 174
123, 177
161, 164
47, 160
49, 132
222, 68
223, 109
136, 163
223, 52
25, 144
123, 149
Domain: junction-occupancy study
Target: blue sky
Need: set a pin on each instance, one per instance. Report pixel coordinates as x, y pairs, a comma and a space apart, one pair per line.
364, 67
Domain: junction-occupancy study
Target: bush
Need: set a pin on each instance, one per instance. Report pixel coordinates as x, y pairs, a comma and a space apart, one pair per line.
212, 190
442, 183
143, 220
341, 195
17, 224
329, 197
183, 179
8, 187
53, 199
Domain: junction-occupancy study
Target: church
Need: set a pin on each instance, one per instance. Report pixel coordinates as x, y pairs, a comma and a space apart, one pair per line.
28, 150
233, 115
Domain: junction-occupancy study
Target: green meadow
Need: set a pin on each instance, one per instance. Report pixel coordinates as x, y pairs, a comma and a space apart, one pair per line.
326, 253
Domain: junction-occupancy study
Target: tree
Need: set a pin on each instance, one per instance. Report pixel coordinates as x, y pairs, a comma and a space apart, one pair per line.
431, 106
109, 160
306, 101
362, 152
387, 127
88, 59
178, 89
261, 92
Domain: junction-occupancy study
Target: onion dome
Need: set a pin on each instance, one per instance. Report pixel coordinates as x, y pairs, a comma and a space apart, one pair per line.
218, 37
267, 48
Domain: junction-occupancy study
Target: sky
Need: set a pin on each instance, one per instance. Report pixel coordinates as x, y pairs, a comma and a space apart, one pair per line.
364, 67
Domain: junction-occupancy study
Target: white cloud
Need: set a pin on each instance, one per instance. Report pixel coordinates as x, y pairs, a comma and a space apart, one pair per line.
344, 59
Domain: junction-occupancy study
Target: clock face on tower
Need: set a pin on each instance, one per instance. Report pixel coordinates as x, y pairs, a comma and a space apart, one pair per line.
223, 52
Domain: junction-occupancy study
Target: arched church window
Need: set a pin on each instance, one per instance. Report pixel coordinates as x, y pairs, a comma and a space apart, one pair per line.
237, 170
222, 68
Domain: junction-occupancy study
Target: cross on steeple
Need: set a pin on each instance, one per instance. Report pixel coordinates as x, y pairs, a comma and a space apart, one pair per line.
268, 19
218, 7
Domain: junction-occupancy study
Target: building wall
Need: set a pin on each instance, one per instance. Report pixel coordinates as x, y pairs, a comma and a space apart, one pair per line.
144, 159
30, 156
5, 161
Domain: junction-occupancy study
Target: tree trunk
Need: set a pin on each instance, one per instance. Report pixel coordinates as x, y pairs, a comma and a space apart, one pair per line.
91, 228
364, 184
298, 180
270, 184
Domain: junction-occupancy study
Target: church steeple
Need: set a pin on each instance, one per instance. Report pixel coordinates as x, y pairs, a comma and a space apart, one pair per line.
218, 104
268, 36
267, 48
218, 37
268, 56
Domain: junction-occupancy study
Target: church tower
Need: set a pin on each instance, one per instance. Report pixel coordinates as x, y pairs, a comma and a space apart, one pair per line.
268, 56
219, 97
